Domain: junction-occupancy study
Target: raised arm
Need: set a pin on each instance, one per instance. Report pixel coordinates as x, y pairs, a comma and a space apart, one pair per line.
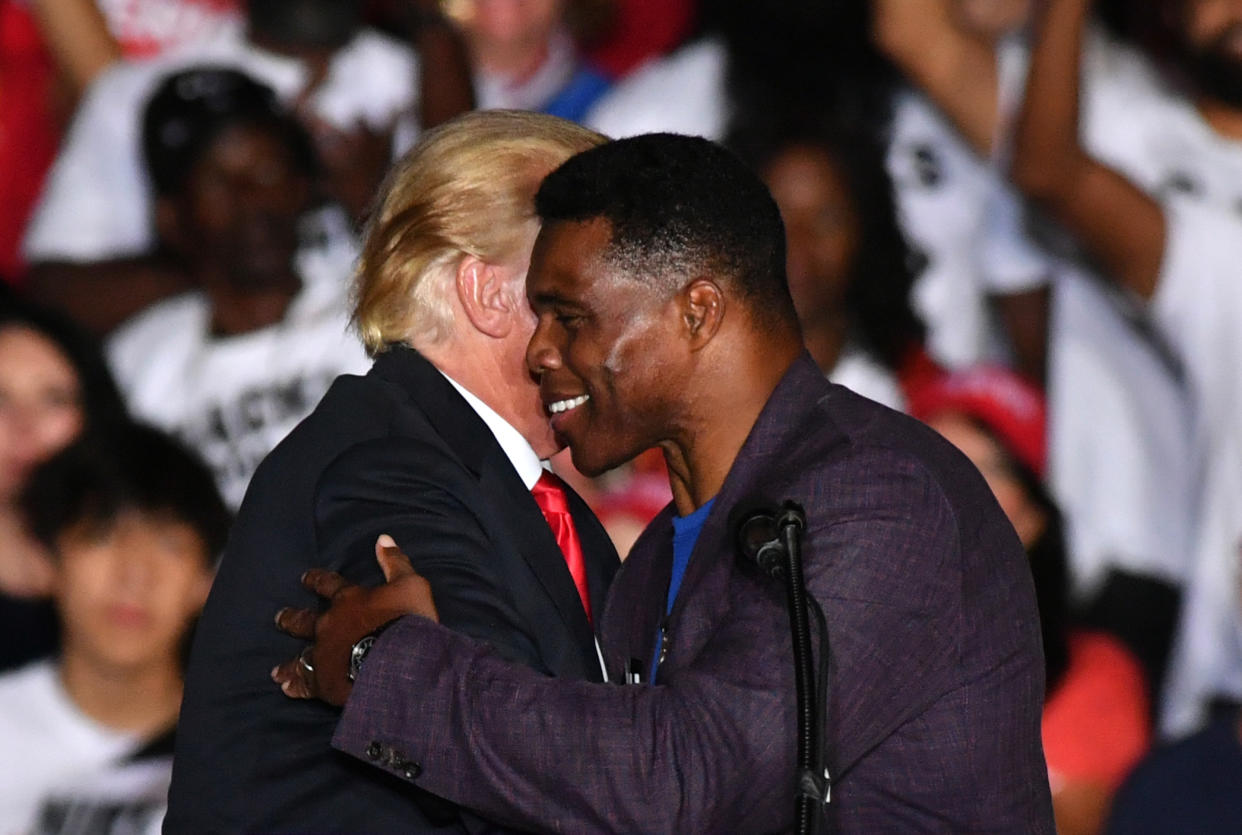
78, 38
1121, 226
955, 69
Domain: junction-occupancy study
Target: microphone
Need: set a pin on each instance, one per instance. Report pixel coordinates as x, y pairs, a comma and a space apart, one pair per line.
770, 538
762, 533
757, 538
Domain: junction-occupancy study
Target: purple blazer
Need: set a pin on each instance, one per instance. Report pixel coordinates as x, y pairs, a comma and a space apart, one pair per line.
937, 683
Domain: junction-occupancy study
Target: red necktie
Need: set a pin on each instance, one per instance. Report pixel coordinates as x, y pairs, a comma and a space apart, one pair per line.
549, 494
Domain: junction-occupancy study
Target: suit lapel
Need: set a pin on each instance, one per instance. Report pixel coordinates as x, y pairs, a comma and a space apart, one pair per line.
533, 539
597, 547
468, 436
463, 431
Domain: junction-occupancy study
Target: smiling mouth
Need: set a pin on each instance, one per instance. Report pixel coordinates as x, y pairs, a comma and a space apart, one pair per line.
560, 406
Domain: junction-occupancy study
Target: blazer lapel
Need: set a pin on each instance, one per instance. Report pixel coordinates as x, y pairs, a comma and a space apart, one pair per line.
635, 604
753, 478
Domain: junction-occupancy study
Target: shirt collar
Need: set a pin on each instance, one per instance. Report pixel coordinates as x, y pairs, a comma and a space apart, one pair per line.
516, 448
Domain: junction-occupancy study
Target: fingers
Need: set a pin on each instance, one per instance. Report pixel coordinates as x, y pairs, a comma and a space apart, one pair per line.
293, 679
300, 623
392, 560
323, 583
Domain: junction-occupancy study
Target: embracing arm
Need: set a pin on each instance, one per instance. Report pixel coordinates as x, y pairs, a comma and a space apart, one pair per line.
711, 749
1118, 223
412, 492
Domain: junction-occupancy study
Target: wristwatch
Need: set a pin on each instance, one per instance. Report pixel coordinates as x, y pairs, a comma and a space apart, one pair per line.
358, 652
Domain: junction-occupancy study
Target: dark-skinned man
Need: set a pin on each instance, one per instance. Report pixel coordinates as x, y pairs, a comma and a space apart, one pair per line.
665, 320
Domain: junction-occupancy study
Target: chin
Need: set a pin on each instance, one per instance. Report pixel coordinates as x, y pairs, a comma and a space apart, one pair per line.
591, 466
545, 448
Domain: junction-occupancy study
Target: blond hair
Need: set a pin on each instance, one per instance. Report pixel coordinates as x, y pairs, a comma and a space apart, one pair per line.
467, 188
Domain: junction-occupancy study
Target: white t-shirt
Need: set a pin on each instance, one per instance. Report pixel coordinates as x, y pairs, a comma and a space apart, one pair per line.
1198, 306
862, 374
55, 756
234, 398
942, 188
680, 93
152, 27
1122, 463
96, 203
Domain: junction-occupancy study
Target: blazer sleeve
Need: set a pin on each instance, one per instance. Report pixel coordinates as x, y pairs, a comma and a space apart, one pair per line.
712, 749
412, 491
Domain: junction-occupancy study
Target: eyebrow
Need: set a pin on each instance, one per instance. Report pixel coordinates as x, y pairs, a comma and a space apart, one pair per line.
548, 299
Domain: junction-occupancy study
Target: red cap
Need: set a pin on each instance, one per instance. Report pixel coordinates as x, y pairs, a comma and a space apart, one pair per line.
1007, 404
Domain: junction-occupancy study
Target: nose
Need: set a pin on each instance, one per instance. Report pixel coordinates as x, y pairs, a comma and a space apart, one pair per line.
542, 352
135, 554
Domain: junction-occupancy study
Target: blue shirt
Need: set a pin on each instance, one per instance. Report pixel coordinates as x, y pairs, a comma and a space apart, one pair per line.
686, 530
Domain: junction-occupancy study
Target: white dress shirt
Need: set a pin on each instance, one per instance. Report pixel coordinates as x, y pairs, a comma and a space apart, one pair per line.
519, 451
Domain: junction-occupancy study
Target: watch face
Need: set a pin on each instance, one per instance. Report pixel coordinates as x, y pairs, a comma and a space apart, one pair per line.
358, 653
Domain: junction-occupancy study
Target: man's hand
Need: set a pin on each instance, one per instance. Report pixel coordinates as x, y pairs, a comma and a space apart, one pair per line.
321, 670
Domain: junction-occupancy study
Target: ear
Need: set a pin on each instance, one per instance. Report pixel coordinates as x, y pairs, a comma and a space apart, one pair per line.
702, 311
485, 293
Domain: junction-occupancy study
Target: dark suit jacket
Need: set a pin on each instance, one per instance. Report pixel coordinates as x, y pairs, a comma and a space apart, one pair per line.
397, 451
937, 681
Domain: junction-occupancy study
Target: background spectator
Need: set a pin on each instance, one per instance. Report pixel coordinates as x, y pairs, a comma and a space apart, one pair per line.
52, 51
1096, 719
233, 366
850, 270
524, 57
53, 383
133, 522
1178, 251
92, 244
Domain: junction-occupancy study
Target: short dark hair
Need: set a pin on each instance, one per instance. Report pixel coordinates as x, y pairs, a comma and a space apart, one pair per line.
101, 401
677, 204
128, 467
323, 24
190, 109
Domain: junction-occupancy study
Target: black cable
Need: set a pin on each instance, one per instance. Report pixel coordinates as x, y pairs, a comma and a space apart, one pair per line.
810, 796
771, 540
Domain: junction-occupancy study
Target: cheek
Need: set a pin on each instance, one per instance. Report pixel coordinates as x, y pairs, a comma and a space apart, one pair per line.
59, 427
83, 579
181, 591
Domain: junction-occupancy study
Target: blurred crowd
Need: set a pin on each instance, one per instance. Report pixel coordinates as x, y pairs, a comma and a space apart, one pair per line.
1017, 220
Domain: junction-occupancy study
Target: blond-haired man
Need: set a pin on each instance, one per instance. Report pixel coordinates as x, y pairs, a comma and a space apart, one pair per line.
438, 445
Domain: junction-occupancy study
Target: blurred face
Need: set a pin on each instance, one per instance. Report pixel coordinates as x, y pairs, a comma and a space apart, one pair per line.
604, 348
507, 24
126, 591
242, 205
821, 228
1212, 43
40, 404
991, 19
990, 459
